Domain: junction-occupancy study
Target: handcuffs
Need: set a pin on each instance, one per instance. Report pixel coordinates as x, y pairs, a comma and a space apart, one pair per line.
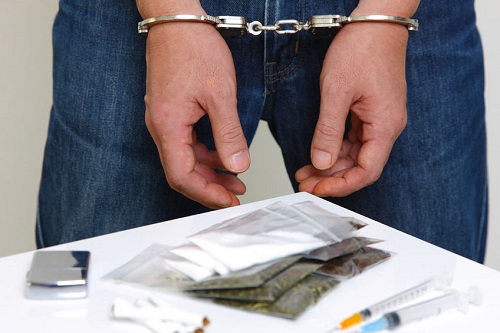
238, 25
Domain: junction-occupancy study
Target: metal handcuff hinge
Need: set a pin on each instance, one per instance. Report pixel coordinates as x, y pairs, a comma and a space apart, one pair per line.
238, 25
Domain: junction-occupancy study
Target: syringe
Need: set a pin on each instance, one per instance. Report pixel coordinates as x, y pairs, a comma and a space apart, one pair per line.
436, 283
433, 307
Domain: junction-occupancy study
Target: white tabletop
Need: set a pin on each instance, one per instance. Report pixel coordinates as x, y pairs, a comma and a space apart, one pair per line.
413, 262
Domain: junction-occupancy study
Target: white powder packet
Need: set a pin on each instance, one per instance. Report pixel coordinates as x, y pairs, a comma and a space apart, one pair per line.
273, 232
187, 267
195, 254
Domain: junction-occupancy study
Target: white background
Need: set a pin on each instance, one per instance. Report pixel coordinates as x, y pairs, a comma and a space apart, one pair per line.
25, 100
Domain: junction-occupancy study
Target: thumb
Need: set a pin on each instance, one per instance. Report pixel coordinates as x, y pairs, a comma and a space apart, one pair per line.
329, 131
228, 134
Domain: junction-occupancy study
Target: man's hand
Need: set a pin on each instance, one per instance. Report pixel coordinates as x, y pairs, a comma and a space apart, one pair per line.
190, 73
364, 73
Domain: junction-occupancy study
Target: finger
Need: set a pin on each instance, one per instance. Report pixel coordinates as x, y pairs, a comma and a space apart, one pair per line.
346, 159
228, 134
309, 176
308, 184
372, 158
329, 131
179, 161
208, 160
194, 184
309, 171
207, 157
230, 182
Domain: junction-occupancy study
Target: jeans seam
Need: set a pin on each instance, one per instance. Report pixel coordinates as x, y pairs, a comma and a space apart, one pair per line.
296, 61
289, 70
483, 224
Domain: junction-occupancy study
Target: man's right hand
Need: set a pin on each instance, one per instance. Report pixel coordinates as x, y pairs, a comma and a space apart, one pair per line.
190, 73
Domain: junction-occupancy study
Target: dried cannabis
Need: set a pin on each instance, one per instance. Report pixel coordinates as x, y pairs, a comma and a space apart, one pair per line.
292, 303
350, 265
347, 246
269, 291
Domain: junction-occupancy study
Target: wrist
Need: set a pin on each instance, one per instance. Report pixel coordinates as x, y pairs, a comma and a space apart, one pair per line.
402, 8
152, 8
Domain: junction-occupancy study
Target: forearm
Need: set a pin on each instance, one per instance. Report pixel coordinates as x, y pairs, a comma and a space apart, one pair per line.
403, 8
151, 8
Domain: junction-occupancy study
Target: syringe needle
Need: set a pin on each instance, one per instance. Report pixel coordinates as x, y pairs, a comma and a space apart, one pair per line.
392, 302
433, 307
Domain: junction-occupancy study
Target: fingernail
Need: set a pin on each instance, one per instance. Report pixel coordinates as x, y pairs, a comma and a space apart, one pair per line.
321, 159
239, 162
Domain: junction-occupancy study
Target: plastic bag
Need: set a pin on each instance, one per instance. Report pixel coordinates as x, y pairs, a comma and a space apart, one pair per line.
186, 267
195, 254
149, 269
248, 278
350, 265
272, 232
267, 292
342, 248
293, 302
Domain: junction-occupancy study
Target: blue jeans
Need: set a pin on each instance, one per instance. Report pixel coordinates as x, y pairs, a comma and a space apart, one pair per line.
102, 173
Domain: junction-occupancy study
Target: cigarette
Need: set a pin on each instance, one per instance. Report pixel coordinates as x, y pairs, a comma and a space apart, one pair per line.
125, 310
163, 326
169, 327
162, 304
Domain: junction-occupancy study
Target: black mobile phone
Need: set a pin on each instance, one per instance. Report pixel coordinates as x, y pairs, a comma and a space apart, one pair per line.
58, 275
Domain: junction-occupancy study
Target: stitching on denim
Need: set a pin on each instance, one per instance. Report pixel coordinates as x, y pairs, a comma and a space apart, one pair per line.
483, 219
296, 61
288, 71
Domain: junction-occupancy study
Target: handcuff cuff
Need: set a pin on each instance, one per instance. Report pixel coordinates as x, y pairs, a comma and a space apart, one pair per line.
238, 25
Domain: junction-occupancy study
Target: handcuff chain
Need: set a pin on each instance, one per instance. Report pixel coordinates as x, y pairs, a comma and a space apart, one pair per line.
238, 26
256, 28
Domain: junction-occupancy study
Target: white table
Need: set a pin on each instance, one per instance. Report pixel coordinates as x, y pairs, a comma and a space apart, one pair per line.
414, 262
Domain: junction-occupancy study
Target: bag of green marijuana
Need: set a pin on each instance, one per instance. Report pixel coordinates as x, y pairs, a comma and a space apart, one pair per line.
347, 246
269, 291
350, 265
294, 301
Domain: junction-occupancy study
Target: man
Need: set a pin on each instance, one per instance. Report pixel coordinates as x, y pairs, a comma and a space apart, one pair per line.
337, 106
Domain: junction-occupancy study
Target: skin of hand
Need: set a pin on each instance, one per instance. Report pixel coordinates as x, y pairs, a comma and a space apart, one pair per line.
189, 77
190, 73
364, 73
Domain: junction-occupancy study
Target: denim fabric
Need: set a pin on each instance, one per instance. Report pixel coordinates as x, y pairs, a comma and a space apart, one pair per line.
102, 172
